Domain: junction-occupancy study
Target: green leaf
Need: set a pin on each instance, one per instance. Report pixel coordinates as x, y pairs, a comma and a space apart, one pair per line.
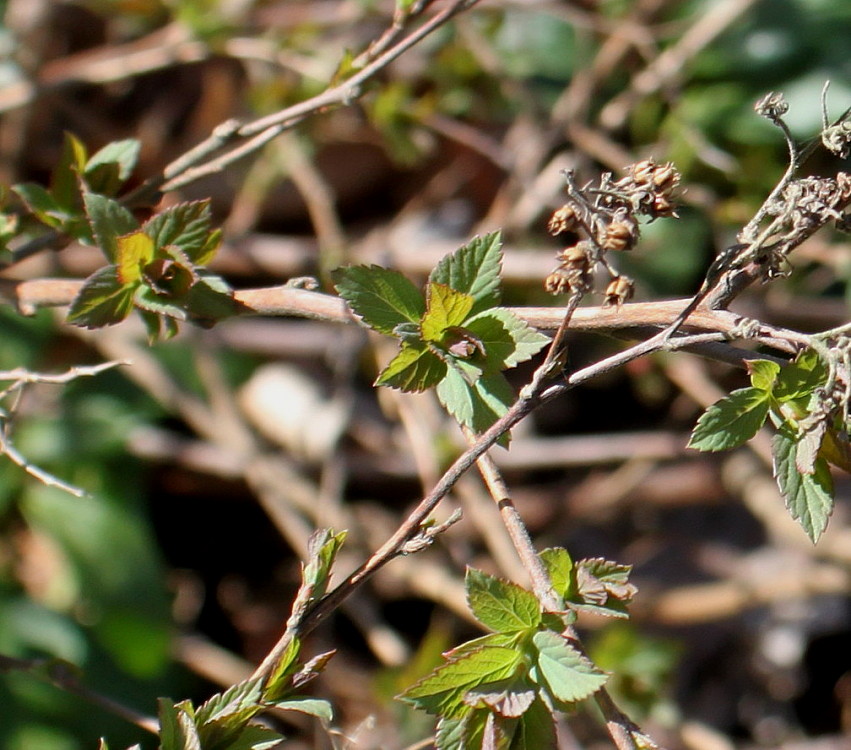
42, 204
801, 377
109, 221
568, 675
383, 298
186, 225
103, 300
809, 497
152, 301
763, 374
731, 421
323, 547
65, 178
210, 300
445, 308
442, 692
317, 707
451, 733
536, 730
507, 339
414, 368
501, 605
132, 253
558, 564
170, 734
123, 154
474, 269
232, 703
475, 406
255, 737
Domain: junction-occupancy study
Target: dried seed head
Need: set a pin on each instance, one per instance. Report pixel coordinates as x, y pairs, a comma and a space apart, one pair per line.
772, 105
620, 235
565, 279
662, 206
564, 219
618, 291
843, 183
577, 256
665, 178
642, 171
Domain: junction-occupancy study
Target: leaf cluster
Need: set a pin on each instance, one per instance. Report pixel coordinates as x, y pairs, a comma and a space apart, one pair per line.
155, 267
60, 205
501, 690
225, 721
454, 338
806, 440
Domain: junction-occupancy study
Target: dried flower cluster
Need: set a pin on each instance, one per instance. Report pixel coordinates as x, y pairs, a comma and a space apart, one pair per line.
605, 218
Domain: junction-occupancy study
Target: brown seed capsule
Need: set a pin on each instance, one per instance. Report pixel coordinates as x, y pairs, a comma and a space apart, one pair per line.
642, 171
665, 178
662, 207
576, 256
620, 235
564, 279
564, 219
619, 291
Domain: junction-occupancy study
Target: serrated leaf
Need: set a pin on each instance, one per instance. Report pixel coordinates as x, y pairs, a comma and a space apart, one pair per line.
152, 301
474, 269
801, 377
210, 300
103, 300
382, 298
558, 564
189, 731
510, 698
731, 421
809, 446
109, 220
763, 373
232, 702
500, 605
809, 497
42, 204
186, 225
321, 709
414, 368
568, 675
507, 640
450, 733
123, 154
507, 339
475, 406
603, 587
132, 252
445, 308
536, 729
442, 692
837, 450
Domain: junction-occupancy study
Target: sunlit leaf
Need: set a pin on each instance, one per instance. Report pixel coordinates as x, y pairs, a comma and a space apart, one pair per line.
132, 252
186, 225
445, 308
474, 269
414, 368
442, 692
109, 221
731, 421
507, 339
501, 605
569, 675
384, 299
103, 300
